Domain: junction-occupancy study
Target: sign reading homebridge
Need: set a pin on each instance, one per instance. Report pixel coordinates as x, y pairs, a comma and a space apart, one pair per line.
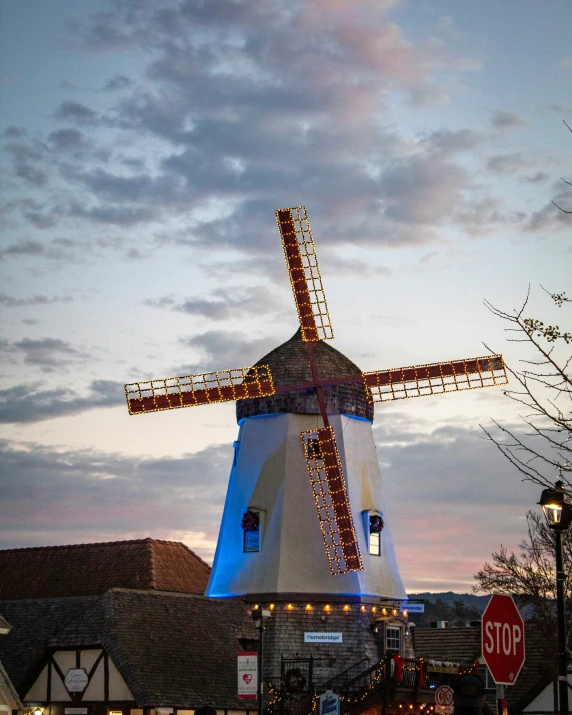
323, 637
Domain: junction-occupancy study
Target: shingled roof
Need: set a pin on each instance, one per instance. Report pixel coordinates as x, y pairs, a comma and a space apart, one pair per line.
289, 365
172, 650
463, 645
91, 569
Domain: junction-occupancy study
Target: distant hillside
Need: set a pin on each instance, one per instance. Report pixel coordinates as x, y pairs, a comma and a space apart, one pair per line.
448, 597
458, 609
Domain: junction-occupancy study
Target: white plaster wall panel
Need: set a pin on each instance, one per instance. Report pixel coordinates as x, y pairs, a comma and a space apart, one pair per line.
38, 691
96, 688
88, 658
271, 474
59, 692
118, 689
65, 659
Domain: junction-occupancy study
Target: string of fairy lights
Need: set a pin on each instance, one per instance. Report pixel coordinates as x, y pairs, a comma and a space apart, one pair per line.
304, 272
331, 498
200, 389
435, 378
333, 608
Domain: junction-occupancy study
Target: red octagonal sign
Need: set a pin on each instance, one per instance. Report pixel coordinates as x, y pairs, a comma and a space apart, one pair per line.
502, 631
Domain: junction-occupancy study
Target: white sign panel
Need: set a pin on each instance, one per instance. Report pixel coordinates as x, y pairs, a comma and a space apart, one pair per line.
444, 699
76, 680
323, 637
329, 703
75, 711
247, 676
412, 607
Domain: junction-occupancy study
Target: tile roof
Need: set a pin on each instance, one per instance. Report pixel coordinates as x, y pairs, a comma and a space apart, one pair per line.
173, 650
463, 645
90, 569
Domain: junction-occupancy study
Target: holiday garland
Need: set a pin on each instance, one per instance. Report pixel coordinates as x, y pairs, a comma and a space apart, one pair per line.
250, 521
376, 524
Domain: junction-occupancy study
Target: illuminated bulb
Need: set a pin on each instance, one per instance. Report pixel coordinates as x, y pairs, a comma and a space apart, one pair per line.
255, 606
272, 606
346, 607
384, 611
362, 609
394, 612
373, 609
290, 607
405, 614
308, 606
327, 607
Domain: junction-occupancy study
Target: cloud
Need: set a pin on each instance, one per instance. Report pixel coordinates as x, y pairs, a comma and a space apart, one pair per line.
503, 119
10, 302
77, 496
463, 498
506, 164
119, 81
49, 354
28, 403
75, 112
223, 350
223, 303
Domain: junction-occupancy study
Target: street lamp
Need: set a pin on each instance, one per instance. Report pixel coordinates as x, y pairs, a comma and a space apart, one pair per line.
258, 616
559, 516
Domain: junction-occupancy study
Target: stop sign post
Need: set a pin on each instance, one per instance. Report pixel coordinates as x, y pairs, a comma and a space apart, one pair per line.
502, 633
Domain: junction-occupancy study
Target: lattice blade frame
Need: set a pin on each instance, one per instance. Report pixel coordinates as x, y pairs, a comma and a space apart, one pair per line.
332, 503
435, 378
305, 277
201, 389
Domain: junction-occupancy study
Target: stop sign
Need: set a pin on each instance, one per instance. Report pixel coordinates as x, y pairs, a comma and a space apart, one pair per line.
502, 633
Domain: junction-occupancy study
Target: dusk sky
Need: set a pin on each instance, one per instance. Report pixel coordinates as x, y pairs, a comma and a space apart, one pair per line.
146, 146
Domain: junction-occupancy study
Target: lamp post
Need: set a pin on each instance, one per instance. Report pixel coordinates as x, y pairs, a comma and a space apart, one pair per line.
258, 616
559, 516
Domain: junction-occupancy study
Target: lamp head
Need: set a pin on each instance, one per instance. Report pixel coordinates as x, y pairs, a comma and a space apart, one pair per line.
557, 512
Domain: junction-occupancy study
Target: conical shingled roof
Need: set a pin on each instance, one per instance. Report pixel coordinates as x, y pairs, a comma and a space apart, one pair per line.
289, 365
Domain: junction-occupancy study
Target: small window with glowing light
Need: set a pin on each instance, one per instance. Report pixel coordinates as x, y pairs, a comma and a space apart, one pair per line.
251, 531
393, 639
376, 525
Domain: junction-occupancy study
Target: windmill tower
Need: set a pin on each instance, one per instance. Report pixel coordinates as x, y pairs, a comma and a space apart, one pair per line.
305, 529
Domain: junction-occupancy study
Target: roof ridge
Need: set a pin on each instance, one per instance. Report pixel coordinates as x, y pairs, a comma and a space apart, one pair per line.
152, 564
188, 548
95, 543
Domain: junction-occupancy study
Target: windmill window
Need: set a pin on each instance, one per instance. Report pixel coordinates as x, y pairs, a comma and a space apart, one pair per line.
251, 531
375, 526
393, 639
314, 449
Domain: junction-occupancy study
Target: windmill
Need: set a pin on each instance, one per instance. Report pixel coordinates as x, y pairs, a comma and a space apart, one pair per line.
319, 445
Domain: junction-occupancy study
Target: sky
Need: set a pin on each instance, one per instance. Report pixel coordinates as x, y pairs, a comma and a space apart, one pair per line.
146, 146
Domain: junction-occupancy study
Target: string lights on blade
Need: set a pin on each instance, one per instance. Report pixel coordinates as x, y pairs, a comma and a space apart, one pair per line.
332, 503
435, 378
304, 272
201, 389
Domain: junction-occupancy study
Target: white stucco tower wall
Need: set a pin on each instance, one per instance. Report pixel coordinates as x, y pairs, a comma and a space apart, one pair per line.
269, 475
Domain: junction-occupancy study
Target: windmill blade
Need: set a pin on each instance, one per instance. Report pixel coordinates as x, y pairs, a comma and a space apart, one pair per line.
435, 378
332, 503
304, 273
201, 389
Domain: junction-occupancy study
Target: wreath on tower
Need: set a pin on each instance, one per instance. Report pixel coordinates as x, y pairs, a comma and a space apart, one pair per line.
250, 521
376, 524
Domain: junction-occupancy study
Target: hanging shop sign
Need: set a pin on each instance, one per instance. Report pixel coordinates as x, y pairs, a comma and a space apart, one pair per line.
412, 607
76, 680
247, 675
329, 703
323, 637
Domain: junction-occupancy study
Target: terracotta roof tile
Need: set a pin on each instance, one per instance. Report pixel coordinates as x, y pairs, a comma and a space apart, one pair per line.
90, 569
